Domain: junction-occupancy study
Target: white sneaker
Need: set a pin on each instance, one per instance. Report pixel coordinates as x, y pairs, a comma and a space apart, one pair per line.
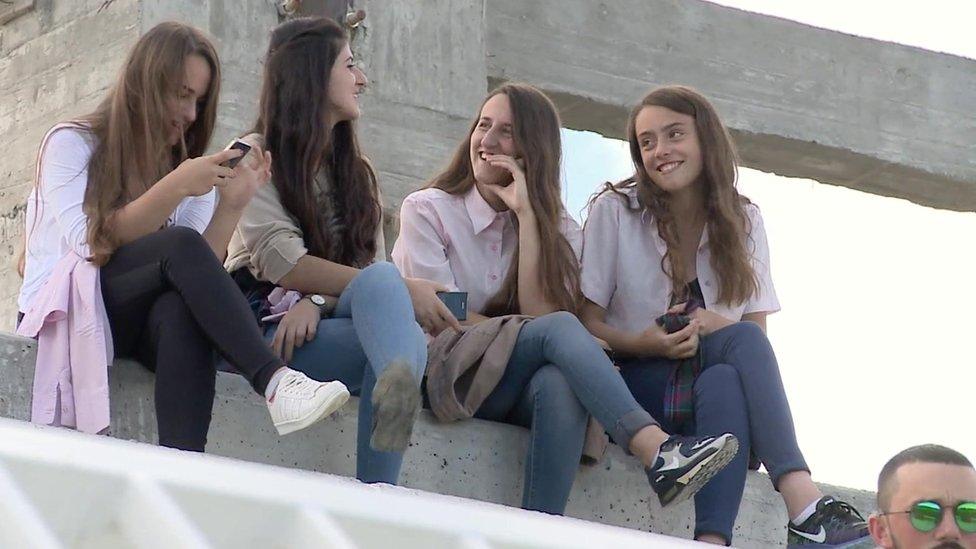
300, 401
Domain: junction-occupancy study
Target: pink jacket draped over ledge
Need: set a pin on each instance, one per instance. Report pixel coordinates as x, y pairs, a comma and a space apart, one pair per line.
74, 348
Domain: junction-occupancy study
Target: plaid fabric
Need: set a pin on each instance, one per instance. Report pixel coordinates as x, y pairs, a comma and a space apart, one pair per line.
679, 396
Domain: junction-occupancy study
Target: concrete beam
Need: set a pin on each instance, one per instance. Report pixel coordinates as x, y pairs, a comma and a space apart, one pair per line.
801, 101
474, 459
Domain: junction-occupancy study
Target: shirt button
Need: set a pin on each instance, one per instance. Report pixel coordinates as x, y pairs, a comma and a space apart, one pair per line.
494, 247
494, 277
708, 283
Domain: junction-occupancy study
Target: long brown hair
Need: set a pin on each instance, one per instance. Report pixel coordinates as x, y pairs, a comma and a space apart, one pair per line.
535, 127
292, 115
727, 222
130, 126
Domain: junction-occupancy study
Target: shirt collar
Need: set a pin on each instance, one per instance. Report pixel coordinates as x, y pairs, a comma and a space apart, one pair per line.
481, 213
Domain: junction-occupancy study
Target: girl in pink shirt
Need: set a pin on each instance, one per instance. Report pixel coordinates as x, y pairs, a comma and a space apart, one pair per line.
678, 238
492, 224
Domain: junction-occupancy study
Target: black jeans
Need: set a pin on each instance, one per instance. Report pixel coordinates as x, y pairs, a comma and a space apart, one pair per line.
171, 304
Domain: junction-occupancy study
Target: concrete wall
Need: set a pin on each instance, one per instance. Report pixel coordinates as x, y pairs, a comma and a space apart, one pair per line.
474, 459
801, 101
56, 61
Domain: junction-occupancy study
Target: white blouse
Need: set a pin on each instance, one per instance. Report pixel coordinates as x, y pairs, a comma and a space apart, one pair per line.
56, 221
622, 273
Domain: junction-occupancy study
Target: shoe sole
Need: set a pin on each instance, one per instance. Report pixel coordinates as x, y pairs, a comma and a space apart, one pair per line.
860, 543
329, 407
396, 402
698, 476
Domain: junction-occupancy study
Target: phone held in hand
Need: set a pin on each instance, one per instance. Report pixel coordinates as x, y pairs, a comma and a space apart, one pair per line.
240, 145
457, 303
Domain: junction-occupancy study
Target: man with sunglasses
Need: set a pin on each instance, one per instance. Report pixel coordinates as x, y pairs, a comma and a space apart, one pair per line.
926, 500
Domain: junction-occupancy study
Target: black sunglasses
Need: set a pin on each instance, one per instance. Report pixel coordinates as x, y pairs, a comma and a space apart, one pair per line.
926, 516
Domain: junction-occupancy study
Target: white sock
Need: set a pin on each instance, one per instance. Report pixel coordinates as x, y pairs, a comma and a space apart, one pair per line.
806, 513
269, 391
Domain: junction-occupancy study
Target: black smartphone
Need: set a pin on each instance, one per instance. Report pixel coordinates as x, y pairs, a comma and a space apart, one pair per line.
237, 144
457, 303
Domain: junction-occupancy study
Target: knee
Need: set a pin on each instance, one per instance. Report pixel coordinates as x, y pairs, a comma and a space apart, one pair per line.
380, 274
183, 242
561, 324
748, 333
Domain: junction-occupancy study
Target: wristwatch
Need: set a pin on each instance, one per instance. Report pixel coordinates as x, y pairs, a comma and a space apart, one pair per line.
321, 303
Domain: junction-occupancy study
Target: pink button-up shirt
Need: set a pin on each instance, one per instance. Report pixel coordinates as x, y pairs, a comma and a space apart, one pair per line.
622, 266
74, 348
461, 242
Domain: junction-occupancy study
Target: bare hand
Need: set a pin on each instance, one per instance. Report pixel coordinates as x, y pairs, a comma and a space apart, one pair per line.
515, 195
654, 341
197, 176
251, 172
710, 321
297, 326
431, 313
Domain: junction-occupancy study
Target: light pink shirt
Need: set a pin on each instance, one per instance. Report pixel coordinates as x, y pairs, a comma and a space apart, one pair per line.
462, 242
74, 348
622, 266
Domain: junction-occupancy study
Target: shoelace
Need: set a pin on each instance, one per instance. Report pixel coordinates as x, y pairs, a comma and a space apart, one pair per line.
297, 386
841, 512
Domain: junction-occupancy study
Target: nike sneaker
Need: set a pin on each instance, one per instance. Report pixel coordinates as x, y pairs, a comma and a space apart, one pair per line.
834, 524
685, 464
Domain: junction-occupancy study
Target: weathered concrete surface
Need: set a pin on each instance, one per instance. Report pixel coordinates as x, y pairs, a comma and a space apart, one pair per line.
801, 101
56, 61
474, 459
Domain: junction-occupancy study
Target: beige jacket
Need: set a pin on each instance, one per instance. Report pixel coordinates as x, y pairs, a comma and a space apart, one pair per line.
268, 240
463, 368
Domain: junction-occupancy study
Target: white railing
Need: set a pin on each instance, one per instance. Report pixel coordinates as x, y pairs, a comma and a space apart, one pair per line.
59, 488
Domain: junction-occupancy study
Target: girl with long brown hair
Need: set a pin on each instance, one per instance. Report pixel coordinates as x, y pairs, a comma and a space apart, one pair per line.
676, 274
492, 225
317, 231
129, 190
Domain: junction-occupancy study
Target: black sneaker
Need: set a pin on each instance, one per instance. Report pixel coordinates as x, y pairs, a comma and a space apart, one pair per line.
833, 524
685, 464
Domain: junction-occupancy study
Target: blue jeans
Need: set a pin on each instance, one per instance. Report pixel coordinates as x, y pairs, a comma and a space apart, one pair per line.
556, 377
739, 391
373, 324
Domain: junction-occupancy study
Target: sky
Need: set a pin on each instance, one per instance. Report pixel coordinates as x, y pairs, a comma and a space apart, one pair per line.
873, 339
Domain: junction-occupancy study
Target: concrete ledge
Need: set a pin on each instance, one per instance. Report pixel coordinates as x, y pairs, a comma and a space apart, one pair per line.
475, 459
801, 101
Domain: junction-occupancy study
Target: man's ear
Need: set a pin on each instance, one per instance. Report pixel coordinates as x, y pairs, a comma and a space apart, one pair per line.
878, 527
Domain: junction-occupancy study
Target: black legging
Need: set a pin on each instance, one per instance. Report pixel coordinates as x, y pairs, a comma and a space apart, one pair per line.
170, 304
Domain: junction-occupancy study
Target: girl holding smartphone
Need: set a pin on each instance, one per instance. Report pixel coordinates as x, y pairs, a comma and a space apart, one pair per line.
678, 232
128, 189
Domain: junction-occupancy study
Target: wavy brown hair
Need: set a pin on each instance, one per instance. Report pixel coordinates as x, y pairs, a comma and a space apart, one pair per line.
292, 120
130, 126
535, 127
727, 222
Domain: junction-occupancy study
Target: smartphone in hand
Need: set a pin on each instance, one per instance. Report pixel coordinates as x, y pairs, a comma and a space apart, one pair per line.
237, 144
457, 303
